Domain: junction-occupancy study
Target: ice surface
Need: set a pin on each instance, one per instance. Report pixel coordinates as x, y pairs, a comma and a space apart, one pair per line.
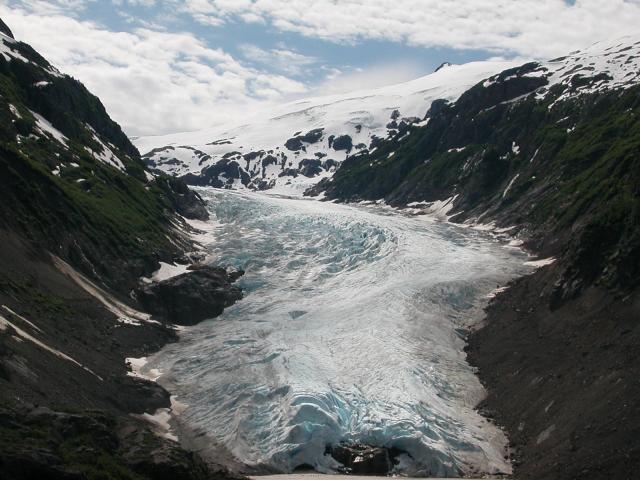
350, 330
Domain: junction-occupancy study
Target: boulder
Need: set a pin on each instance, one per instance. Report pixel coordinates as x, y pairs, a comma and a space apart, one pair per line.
359, 459
193, 296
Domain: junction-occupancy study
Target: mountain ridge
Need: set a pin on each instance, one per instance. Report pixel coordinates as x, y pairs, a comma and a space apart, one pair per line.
81, 220
291, 148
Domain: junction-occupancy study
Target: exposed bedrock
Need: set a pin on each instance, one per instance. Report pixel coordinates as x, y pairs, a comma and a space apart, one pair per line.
191, 297
41, 443
359, 459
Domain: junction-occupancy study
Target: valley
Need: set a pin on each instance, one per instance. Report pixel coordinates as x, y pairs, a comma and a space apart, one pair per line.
434, 278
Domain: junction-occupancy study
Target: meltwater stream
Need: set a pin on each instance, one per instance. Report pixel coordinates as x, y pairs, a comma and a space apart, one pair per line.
351, 329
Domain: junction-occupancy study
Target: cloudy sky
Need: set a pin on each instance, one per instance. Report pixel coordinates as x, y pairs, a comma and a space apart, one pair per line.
163, 66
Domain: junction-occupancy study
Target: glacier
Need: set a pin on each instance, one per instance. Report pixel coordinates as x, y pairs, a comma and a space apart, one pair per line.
352, 329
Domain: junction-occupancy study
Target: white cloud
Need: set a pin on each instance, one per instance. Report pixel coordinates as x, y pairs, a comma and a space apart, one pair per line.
151, 81
531, 28
52, 7
342, 81
155, 81
280, 59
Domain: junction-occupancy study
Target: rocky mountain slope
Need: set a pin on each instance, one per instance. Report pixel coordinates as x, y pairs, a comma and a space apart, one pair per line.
81, 220
548, 153
296, 145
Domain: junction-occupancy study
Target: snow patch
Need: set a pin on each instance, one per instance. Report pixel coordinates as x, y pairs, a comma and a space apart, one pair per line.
540, 263
35, 327
137, 364
14, 111
169, 270
124, 313
106, 155
7, 52
44, 126
4, 324
506, 190
439, 209
494, 293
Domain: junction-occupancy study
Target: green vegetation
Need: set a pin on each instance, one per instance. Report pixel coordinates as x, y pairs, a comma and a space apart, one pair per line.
113, 225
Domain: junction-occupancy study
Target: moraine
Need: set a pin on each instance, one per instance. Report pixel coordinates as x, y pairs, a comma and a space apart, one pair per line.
352, 329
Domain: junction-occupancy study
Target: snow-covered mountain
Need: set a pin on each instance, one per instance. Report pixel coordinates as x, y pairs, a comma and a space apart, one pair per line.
299, 143
605, 65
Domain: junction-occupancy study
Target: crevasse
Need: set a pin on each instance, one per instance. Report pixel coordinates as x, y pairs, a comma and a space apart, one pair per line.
351, 330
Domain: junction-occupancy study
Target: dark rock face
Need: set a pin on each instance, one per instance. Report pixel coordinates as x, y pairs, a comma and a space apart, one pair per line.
264, 185
191, 297
310, 167
360, 459
5, 29
253, 155
294, 144
297, 142
230, 170
566, 389
40, 443
137, 395
289, 172
266, 161
330, 163
376, 141
312, 136
343, 142
318, 188
185, 201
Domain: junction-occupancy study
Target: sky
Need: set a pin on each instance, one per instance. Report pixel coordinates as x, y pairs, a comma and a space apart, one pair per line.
163, 66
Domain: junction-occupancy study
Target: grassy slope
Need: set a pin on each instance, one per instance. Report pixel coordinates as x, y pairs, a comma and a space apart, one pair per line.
113, 225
